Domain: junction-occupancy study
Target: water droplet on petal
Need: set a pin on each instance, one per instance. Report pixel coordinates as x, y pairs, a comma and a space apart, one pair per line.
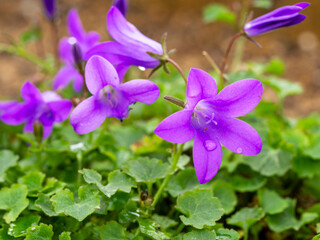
142, 68
239, 150
210, 145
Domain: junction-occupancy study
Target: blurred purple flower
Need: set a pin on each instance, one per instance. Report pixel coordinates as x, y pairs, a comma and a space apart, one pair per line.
5, 105
50, 8
46, 108
130, 46
122, 5
84, 42
110, 98
208, 117
282, 17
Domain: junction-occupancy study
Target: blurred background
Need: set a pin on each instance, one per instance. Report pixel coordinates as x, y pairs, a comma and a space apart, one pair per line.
298, 46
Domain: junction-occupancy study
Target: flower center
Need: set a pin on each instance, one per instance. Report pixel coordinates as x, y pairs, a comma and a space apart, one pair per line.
109, 95
204, 116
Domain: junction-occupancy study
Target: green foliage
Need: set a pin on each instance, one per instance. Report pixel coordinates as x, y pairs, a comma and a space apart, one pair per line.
218, 13
7, 160
112, 231
41, 232
200, 235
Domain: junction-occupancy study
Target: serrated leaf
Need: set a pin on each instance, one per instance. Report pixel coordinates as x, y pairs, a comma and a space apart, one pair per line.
287, 220
7, 159
246, 217
112, 231
164, 222
200, 208
4, 234
65, 236
200, 235
147, 170
44, 203
271, 202
270, 161
183, 181
86, 204
226, 195
150, 229
42, 232
14, 201
19, 227
218, 12
52, 186
33, 180
227, 234
117, 181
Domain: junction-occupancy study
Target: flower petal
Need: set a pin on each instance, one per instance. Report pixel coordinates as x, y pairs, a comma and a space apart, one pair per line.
200, 86
140, 90
30, 92
50, 96
238, 136
47, 130
88, 116
60, 109
100, 73
19, 113
66, 75
207, 156
5, 105
239, 98
128, 35
65, 52
176, 128
75, 26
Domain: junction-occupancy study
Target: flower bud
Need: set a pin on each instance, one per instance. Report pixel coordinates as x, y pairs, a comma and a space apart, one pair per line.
38, 131
122, 5
50, 9
77, 56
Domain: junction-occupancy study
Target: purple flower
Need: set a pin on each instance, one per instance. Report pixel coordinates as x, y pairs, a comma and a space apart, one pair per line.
5, 105
208, 117
50, 8
122, 5
46, 108
83, 41
110, 98
130, 46
282, 17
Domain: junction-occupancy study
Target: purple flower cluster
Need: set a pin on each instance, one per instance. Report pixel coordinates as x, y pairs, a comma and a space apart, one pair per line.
44, 108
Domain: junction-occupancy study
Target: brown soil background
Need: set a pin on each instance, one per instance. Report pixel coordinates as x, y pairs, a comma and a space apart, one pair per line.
299, 45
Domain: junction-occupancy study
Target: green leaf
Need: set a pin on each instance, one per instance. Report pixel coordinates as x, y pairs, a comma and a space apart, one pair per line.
42, 232
4, 235
147, 170
117, 181
44, 203
150, 229
305, 166
65, 236
33, 34
317, 237
246, 217
226, 195
270, 161
164, 222
183, 181
276, 65
318, 227
112, 231
14, 200
227, 234
86, 204
218, 13
19, 227
313, 151
271, 202
287, 220
283, 87
200, 235
33, 180
7, 160
200, 208
263, 4
52, 186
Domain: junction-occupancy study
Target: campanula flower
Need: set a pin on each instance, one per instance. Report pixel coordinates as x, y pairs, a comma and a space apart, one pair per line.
122, 5
110, 98
50, 9
282, 17
44, 108
5, 105
83, 41
208, 117
130, 46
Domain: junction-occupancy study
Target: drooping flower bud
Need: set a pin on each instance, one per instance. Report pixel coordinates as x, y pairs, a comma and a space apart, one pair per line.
77, 56
38, 131
122, 5
50, 9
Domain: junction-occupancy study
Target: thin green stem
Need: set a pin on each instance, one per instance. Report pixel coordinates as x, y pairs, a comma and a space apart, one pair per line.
79, 161
214, 66
175, 160
176, 65
179, 229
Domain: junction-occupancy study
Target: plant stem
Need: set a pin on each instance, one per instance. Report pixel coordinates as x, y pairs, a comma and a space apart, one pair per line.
214, 65
79, 160
176, 65
175, 160
179, 229
225, 59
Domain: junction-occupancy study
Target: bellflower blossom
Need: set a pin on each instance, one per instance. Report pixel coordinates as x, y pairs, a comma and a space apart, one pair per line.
208, 117
110, 98
50, 8
84, 42
122, 5
130, 46
45, 108
282, 17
